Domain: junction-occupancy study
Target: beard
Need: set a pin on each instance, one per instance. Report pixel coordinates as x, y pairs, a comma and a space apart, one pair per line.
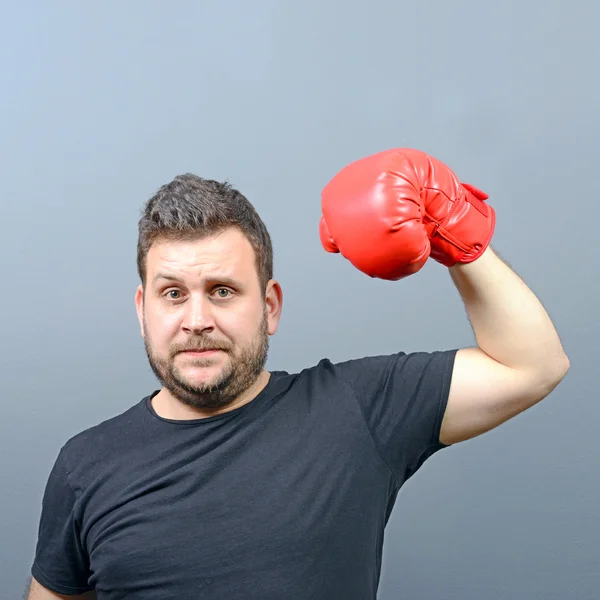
241, 369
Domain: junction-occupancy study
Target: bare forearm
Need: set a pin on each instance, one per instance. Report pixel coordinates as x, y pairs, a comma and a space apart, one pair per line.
509, 322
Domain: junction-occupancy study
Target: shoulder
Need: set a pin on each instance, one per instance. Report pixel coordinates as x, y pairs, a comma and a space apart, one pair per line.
407, 365
370, 374
330, 370
103, 438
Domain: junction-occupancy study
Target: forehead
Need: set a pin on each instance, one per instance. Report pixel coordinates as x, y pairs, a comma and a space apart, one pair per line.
228, 253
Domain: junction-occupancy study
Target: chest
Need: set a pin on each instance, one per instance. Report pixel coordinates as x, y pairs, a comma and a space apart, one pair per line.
275, 497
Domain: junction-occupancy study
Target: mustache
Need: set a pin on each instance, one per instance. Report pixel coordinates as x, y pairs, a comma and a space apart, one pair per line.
200, 344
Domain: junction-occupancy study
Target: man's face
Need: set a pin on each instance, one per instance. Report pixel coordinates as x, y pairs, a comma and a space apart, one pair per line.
204, 321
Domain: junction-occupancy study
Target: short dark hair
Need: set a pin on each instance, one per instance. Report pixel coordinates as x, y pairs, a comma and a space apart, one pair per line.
191, 207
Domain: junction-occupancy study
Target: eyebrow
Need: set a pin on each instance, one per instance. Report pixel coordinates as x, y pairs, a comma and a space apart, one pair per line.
214, 279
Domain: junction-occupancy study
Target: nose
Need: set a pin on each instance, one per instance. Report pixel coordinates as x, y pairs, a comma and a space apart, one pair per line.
198, 315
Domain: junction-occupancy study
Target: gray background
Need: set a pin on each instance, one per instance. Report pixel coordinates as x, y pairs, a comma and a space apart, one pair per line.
102, 102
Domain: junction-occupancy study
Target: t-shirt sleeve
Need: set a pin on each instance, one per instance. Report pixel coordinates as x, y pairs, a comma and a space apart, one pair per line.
403, 398
60, 562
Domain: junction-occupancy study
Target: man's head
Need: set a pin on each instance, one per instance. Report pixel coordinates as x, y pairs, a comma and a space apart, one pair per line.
205, 261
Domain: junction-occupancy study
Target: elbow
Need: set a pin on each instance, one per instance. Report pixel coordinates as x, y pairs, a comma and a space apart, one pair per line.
555, 373
566, 366
542, 380
562, 367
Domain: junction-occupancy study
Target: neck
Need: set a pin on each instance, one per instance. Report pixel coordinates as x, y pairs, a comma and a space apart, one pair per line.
168, 407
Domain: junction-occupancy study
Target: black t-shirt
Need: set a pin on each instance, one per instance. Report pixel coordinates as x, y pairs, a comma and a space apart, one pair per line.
286, 497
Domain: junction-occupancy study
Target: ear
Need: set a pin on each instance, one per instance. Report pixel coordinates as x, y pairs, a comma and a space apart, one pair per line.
139, 307
274, 305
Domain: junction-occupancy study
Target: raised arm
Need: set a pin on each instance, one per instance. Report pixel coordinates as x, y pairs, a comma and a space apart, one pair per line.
518, 359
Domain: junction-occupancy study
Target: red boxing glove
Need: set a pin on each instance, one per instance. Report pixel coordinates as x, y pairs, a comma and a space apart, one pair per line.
389, 212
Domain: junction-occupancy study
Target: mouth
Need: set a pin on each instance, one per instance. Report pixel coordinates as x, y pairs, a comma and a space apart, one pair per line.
203, 352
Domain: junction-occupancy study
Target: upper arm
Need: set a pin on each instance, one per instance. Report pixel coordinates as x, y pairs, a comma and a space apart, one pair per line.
38, 592
61, 561
484, 394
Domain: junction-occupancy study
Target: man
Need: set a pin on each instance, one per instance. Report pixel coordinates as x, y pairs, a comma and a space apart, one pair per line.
234, 483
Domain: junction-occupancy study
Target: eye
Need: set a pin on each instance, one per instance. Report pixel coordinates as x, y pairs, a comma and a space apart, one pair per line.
171, 296
223, 293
